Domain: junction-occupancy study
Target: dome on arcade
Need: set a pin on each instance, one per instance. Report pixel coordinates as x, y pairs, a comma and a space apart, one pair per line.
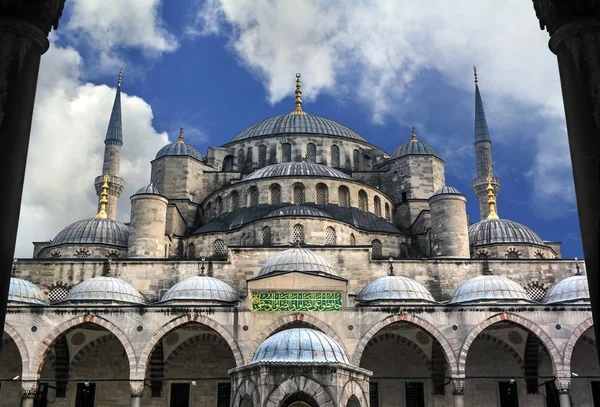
569, 290
298, 210
297, 169
23, 291
201, 289
148, 189
491, 231
394, 288
489, 288
297, 259
93, 231
300, 345
105, 289
179, 148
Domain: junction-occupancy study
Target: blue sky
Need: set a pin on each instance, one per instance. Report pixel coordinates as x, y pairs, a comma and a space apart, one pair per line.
215, 67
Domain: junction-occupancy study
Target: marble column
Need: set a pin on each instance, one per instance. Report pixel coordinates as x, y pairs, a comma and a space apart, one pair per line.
458, 392
574, 28
137, 391
30, 388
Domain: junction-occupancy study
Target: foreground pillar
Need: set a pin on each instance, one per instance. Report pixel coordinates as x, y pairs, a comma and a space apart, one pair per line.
574, 28
30, 388
458, 392
137, 391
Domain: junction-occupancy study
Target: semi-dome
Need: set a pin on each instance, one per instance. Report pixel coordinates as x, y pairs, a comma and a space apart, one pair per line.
296, 124
179, 148
298, 210
23, 291
300, 345
94, 231
148, 190
105, 289
297, 259
201, 289
297, 169
491, 231
415, 147
446, 190
394, 288
489, 288
569, 290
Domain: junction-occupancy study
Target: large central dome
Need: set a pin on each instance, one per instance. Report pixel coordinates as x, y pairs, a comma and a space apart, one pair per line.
297, 124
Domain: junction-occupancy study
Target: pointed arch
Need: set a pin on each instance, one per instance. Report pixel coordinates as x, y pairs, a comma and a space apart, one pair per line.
299, 384
18, 340
352, 388
568, 352
247, 388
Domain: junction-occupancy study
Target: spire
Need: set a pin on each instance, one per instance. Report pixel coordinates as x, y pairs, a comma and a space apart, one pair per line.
413, 135
491, 199
114, 133
180, 141
103, 201
298, 100
391, 272
481, 129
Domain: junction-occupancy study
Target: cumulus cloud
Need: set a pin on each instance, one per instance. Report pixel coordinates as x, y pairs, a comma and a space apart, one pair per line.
66, 148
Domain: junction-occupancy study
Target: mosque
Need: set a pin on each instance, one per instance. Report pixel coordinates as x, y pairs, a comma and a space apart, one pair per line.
298, 265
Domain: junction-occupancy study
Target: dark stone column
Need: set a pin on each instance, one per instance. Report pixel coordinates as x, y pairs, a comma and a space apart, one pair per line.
24, 27
574, 28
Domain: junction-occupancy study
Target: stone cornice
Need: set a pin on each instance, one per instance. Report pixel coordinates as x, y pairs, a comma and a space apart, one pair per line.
553, 14
42, 13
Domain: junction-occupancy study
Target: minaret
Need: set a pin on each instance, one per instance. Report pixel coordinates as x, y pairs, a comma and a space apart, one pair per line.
112, 157
483, 151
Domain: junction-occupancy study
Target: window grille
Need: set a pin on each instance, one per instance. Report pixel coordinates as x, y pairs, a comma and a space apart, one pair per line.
352, 240
536, 291
253, 197
376, 248
275, 194
298, 234
374, 394
286, 152
322, 198
356, 160
224, 395
481, 255
219, 248
344, 196
219, 206
82, 253
335, 156
191, 251
113, 254
377, 203
266, 236
58, 292
235, 200
363, 203
298, 194
262, 156
330, 237
311, 153
241, 157
388, 216
513, 254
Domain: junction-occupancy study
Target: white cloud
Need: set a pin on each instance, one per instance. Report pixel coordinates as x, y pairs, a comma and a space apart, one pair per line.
66, 149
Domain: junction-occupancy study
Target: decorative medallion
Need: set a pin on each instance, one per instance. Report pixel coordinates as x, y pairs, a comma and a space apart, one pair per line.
297, 301
515, 337
78, 339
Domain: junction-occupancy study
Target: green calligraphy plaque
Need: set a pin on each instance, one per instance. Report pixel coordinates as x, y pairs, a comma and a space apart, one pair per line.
297, 301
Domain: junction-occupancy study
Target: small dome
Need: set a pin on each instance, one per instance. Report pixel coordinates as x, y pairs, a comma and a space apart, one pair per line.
105, 289
148, 189
95, 231
489, 288
446, 190
414, 148
297, 124
201, 288
297, 259
179, 149
298, 210
297, 169
501, 231
300, 345
394, 288
569, 290
23, 291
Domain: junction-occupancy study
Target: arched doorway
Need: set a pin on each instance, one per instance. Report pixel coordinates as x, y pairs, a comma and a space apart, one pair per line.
10, 360
585, 374
299, 399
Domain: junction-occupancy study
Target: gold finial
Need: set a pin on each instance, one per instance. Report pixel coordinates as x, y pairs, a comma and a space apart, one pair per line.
103, 200
120, 77
413, 135
475, 71
491, 199
180, 141
298, 100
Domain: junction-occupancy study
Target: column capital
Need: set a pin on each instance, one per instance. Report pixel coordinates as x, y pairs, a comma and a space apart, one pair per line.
458, 386
563, 384
42, 13
136, 387
553, 14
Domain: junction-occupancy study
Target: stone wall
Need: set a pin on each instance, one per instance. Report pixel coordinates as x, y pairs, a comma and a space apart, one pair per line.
92, 251
147, 228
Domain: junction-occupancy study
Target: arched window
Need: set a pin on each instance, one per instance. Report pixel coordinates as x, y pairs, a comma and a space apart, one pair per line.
377, 205
352, 240
311, 153
298, 236
299, 194
235, 200
219, 205
512, 254
330, 237
252, 197
228, 163
286, 152
376, 248
262, 156
191, 251
275, 190
363, 201
353, 402
356, 160
403, 250
266, 236
208, 213
388, 216
335, 156
219, 248
368, 163
344, 196
538, 255
404, 197
322, 194
241, 157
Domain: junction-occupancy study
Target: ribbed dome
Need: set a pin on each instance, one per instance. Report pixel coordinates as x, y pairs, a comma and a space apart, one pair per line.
23, 291
568, 290
201, 288
297, 169
414, 148
94, 230
446, 190
180, 149
297, 259
300, 345
489, 288
297, 124
501, 231
105, 289
148, 189
394, 288
298, 210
